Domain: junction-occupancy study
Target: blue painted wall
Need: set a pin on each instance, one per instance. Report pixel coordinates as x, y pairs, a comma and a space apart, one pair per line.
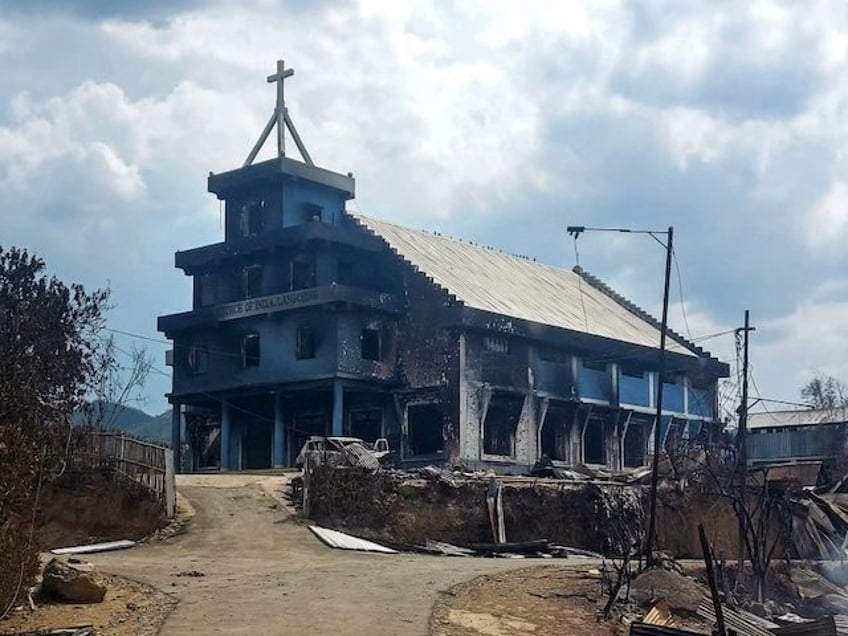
593, 384
634, 391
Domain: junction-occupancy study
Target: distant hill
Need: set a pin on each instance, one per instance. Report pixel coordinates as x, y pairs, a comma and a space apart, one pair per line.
130, 420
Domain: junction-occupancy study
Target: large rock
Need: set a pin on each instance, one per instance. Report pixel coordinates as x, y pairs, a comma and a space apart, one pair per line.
78, 585
680, 592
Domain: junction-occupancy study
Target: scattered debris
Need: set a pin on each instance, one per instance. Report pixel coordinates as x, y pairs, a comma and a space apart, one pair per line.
342, 541
76, 583
440, 474
192, 573
659, 614
517, 547
122, 544
447, 549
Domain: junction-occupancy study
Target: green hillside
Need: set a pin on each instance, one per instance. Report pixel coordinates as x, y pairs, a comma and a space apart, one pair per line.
128, 419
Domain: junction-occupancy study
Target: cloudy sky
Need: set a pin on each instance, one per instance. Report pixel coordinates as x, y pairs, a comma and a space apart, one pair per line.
498, 121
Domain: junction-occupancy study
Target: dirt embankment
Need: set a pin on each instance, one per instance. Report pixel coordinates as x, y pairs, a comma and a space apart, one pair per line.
101, 506
393, 508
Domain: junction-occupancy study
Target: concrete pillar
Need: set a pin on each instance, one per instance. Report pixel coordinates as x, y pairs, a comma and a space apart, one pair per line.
225, 435
176, 434
338, 408
279, 433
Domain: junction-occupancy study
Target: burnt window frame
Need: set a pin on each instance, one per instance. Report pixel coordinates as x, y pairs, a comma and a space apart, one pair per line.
252, 217
304, 344
197, 359
251, 359
307, 262
424, 404
501, 400
365, 336
246, 281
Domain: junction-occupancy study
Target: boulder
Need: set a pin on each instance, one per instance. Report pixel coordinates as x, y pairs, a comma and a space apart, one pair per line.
680, 592
68, 582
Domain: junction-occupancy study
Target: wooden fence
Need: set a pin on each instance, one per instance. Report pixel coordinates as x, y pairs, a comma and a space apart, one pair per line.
146, 463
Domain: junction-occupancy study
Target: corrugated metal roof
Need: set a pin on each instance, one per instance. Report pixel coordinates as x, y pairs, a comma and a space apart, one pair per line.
343, 541
797, 417
500, 283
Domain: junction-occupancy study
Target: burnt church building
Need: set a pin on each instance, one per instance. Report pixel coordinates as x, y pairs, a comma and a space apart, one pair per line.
309, 320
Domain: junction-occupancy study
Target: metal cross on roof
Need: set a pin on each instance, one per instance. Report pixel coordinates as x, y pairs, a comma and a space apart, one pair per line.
280, 118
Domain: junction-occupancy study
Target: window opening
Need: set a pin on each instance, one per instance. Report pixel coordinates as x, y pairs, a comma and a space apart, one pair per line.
555, 440
198, 359
501, 423
424, 424
253, 281
250, 350
594, 441
371, 344
302, 275
635, 442
252, 214
305, 346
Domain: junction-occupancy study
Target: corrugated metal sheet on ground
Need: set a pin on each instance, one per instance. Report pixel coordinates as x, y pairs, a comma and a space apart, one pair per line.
504, 284
343, 541
95, 547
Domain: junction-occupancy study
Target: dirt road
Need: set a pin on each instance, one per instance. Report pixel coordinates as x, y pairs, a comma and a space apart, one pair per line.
264, 573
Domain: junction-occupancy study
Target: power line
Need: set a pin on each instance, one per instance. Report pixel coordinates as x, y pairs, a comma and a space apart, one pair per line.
580, 287
680, 289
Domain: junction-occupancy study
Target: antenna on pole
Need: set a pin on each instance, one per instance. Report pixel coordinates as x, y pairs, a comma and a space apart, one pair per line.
280, 118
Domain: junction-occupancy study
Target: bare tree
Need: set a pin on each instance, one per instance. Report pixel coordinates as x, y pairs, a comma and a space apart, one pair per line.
760, 508
118, 386
826, 392
50, 340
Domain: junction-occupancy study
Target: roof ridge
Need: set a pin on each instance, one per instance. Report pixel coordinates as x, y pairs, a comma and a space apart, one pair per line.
601, 286
358, 217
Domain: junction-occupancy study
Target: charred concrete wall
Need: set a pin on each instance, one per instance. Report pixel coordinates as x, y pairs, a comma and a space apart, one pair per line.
427, 361
386, 507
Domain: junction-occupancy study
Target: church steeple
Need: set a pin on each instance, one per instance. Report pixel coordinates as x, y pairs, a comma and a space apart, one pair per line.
280, 119
282, 191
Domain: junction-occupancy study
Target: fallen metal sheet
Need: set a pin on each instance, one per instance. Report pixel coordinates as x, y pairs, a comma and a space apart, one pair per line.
646, 629
732, 620
820, 627
447, 549
516, 547
342, 541
660, 614
123, 544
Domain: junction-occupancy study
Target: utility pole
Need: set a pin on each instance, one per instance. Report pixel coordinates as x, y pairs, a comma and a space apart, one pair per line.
742, 437
576, 231
655, 467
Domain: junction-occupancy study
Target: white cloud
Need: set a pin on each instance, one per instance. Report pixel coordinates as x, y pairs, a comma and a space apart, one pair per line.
828, 219
728, 123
